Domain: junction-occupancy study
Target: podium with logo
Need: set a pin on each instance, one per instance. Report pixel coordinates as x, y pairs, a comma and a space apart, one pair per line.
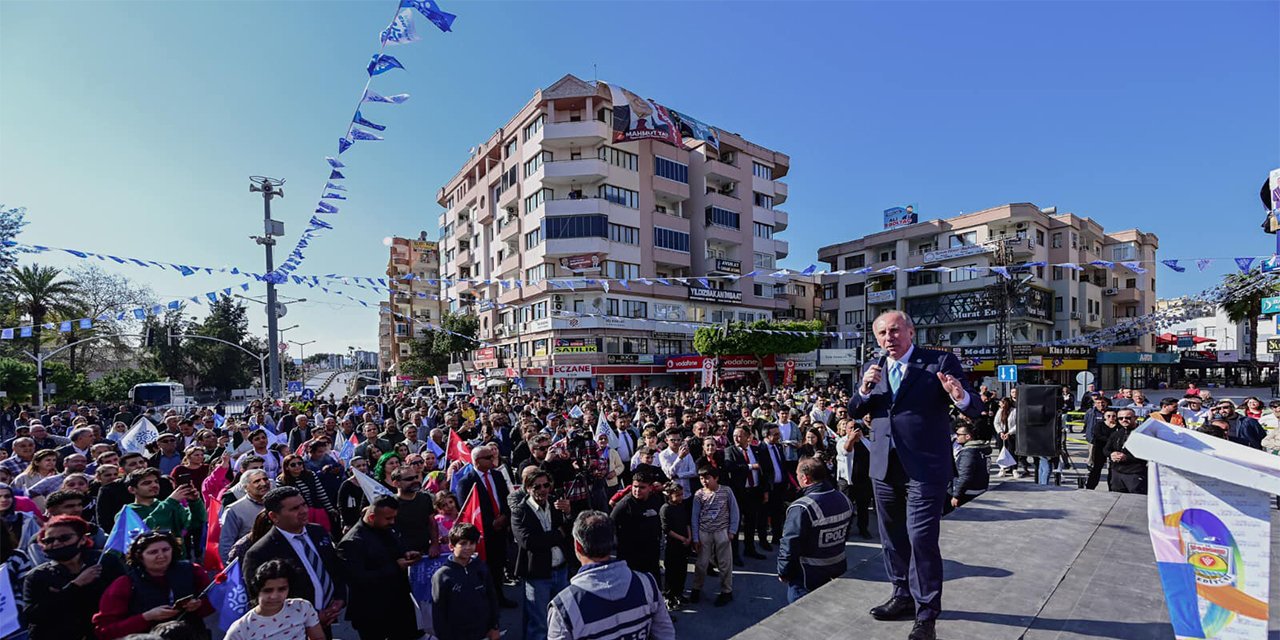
1209, 515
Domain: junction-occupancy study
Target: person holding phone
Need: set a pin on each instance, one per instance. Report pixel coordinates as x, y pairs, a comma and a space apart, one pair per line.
157, 587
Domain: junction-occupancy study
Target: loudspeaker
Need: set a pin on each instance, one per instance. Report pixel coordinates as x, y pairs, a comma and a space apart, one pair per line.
1038, 420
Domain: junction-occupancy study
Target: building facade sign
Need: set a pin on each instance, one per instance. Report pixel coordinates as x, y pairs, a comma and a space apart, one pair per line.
838, 357
706, 294
978, 305
884, 295
571, 371
575, 345
955, 252
728, 266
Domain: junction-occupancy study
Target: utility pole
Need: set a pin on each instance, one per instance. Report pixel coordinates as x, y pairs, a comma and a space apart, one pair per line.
1002, 294
270, 188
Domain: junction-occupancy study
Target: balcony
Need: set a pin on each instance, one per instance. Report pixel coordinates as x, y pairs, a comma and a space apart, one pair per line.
509, 263
772, 217
721, 172
678, 191
509, 230
463, 257
585, 133
781, 219
509, 198
576, 246
725, 235
782, 248
576, 206
1124, 296
779, 192
565, 172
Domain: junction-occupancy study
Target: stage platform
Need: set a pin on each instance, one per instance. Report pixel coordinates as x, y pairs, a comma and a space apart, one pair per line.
1023, 561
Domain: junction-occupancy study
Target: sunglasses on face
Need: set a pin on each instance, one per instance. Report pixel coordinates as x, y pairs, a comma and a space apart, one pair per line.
542, 485
294, 464
414, 479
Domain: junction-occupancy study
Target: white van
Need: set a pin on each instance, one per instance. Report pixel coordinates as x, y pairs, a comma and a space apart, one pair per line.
161, 395
429, 391
372, 391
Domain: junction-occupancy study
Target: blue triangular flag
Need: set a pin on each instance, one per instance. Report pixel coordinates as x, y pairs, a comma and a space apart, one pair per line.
1202, 263
361, 134
334, 187
325, 207
373, 96
1173, 264
334, 196
127, 527
808, 271
401, 29
320, 223
343, 145
360, 120
1135, 267
64, 326
334, 162
382, 63
1244, 263
431, 11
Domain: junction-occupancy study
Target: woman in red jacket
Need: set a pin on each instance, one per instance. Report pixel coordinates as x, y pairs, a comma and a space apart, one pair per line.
157, 587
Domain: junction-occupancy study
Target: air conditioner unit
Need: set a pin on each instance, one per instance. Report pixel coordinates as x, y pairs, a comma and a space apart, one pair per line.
557, 298
511, 211
1021, 225
728, 157
1110, 292
1075, 315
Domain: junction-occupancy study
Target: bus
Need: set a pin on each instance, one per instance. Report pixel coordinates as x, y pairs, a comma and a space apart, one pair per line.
161, 395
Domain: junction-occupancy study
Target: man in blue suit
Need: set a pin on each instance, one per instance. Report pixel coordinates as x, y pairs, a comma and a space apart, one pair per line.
908, 393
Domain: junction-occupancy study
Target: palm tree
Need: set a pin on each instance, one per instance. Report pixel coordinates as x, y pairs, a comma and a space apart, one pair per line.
1247, 307
39, 291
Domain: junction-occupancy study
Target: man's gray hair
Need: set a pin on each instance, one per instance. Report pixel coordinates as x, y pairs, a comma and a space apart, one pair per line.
895, 312
247, 476
80, 431
593, 531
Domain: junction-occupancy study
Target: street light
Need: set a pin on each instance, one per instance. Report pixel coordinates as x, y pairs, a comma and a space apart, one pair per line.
302, 351
270, 188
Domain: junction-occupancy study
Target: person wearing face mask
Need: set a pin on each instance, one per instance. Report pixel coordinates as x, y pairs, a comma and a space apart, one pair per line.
62, 594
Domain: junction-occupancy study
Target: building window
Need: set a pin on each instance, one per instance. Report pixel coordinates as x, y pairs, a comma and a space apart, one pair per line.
561, 227
1057, 240
1057, 304
761, 170
763, 260
1039, 237
538, 273
670, 239
509, 149
533, 238
829, 291
624, 234
762, 290
1124, 252
668, 347
964, 239
722, 218
853, 318
618, 157
1075, 307
535, 200
762, 200
855, 262
534, 127
621, 270
854, 289
964, 273
618, 195
921, 277
763, 230
531, 167
890, 254
671, 170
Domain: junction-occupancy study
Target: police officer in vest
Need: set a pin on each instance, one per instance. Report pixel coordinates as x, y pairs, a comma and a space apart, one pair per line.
606, 599
811, 552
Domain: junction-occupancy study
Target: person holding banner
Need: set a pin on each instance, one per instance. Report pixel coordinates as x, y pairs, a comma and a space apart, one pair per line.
62, 594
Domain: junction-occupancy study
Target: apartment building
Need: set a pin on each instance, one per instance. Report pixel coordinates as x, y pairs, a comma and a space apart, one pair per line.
550, 196
412, 302
959, 309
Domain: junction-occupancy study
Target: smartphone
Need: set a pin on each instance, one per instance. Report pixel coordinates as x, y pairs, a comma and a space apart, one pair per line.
180, 602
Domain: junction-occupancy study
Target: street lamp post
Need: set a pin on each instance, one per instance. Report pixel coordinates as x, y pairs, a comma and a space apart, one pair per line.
270, 188
302, 353
262, 359
40, 357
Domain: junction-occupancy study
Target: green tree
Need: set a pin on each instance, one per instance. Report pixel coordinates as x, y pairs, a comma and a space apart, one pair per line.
103, 296
17, 379
38, 292
171, 359
739, 338
431, 352
218, 365
1245, 308
115, 385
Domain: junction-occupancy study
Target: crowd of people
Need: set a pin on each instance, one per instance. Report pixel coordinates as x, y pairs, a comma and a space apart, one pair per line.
424, 516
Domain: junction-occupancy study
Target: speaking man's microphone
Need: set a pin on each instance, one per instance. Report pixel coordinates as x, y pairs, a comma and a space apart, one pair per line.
877, 360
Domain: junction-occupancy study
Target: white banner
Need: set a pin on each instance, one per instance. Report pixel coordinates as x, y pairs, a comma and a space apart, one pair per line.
709, 372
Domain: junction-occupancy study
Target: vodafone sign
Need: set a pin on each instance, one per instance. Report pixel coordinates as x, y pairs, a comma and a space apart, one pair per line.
571, 371
693, 364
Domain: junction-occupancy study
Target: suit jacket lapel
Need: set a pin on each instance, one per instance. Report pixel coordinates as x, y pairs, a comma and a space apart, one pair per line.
914, 370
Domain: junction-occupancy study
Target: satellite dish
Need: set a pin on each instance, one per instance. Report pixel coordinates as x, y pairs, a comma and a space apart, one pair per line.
281, 310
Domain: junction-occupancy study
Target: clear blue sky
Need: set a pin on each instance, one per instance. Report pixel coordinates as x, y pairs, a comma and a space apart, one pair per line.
130, 127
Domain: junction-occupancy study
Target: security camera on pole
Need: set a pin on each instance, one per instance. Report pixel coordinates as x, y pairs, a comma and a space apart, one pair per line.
270, 188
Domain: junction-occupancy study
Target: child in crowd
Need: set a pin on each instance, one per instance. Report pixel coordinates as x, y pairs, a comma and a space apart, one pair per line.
276, 614
446, 514
675, 526
715, 523
464, 605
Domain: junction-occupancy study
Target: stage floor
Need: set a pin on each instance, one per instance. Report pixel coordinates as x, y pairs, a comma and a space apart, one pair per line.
1021, 562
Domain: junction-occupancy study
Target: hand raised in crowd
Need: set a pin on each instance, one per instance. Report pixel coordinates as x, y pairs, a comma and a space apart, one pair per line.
563, 506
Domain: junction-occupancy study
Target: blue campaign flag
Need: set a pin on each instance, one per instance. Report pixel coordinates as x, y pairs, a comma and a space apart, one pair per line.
334, 162
334, 196
129, 525
373, 96
218, 420
229, 596
6, 334
334, 187
359, 119
140, 314
325, 207
1173, 264
361, 134
459, 475
24, 332
320, 223
86, 323
343, 145
64, 326
401, 29
431, 11
382, 63
420, 574
337, 175
1244, 263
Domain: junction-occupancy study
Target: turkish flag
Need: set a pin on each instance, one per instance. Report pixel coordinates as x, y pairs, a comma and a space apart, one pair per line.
471, 513
458, 448
211, 560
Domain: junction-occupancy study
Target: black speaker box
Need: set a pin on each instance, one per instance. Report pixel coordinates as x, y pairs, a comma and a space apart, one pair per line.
1038, 418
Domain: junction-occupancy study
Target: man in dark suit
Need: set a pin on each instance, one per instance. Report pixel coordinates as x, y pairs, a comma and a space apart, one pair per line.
544, 547
318, 575
773, 466
377, 559
908, 394
495, 513
743, 462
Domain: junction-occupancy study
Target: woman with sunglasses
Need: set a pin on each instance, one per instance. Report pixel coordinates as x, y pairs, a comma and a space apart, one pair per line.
297, 475
156, 587
63, 594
